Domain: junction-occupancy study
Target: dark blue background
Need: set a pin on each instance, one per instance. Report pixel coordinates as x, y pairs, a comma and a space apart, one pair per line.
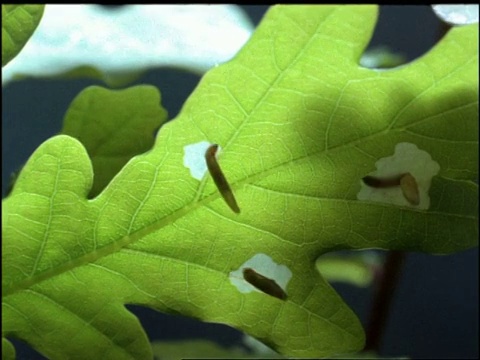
435, 311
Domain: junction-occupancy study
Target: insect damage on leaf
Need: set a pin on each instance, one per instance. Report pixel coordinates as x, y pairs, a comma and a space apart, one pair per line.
200, 157
219, 178
385, 182
260, 273
268, 286
402, 179
194, 159
407, 184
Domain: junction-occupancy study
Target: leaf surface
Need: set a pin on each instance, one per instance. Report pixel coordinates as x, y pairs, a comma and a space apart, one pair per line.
18, 24
114, 126
299, 123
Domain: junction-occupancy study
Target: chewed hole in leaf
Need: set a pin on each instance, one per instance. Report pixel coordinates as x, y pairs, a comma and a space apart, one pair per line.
407, 159
262, 283
264, 266
194, 158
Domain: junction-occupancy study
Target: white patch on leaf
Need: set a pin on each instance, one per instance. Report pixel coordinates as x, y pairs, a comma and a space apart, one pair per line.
408, 158
263, 265
194, 158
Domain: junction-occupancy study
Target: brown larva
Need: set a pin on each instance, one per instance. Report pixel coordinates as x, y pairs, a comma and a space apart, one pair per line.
219, 178
406, 181
268, 286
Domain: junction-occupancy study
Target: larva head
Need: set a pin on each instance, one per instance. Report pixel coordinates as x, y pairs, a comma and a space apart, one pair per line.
211, 151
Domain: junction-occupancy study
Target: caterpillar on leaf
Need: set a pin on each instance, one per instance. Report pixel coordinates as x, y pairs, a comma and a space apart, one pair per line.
219, 179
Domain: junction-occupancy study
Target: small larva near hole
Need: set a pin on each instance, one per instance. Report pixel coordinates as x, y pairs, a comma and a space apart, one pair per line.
219, 179
268, 286
406, 181
385, 182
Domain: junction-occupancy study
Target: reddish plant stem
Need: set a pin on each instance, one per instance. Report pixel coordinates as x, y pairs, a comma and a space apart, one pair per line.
382, 299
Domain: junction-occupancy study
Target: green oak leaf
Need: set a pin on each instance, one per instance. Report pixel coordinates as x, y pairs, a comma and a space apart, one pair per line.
114, 126
358, 270
18, 24
299, 123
